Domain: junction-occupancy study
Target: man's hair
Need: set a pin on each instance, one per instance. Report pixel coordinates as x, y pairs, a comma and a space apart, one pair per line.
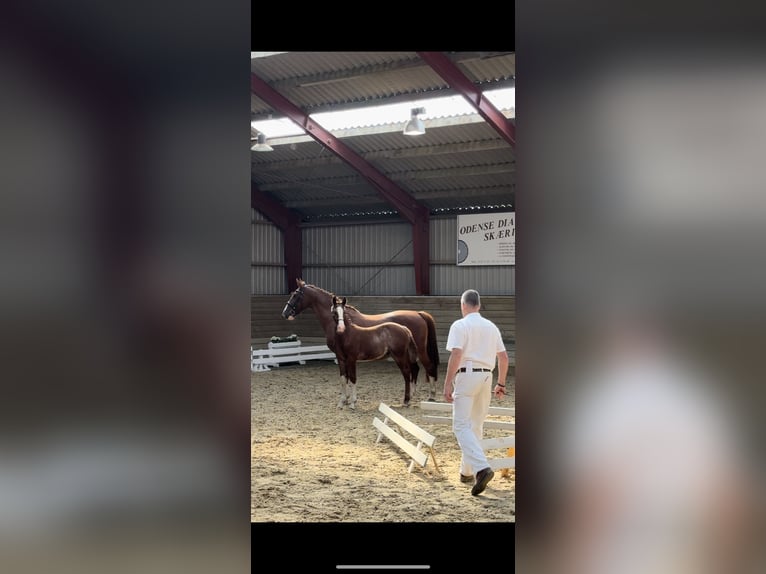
471, 298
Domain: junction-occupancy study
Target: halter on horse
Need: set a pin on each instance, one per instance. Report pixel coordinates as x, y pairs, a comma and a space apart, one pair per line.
420, 323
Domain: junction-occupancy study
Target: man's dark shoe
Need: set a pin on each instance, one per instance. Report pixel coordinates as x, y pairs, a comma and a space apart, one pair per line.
482, 479
466, 478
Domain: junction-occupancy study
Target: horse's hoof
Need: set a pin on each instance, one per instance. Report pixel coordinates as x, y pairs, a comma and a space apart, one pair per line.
431, 400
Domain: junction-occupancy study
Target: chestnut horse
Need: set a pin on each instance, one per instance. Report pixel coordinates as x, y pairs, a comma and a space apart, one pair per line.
355, 344
420, 323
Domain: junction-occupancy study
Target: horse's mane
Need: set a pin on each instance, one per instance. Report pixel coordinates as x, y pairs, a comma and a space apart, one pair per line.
330, 295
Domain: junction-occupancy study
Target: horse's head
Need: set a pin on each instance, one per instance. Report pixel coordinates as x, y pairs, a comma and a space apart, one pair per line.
295, 304
338, 313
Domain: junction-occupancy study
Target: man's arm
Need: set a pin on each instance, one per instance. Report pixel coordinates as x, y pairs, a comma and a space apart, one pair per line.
453, 365
502, 367
502, 373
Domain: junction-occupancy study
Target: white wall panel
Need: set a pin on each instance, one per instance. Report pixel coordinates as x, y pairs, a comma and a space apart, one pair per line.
453, 280
351, 281
268, 244
443, 248
267, 257
358, 244
267, 281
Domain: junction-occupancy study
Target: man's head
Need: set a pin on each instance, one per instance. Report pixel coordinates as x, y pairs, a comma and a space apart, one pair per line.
470, 301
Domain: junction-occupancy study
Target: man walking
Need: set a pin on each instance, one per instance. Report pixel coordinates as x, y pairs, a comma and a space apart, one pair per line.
474, 344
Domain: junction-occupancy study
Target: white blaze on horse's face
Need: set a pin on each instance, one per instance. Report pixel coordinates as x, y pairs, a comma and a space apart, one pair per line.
341, 324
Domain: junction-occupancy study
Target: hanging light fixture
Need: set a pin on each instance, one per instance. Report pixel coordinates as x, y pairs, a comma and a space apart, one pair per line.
415, 126
261, 144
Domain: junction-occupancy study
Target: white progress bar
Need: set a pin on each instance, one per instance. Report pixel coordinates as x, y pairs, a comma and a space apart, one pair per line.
383, 567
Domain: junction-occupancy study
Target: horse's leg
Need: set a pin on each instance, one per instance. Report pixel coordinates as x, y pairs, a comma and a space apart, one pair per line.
431, 387
428, 366
351, 384
415, 368
343, 381
343, 398
430, 356
430, 369
406, 369
407, 373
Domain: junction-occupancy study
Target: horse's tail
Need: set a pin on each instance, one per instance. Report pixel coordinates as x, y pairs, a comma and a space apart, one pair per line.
433, 345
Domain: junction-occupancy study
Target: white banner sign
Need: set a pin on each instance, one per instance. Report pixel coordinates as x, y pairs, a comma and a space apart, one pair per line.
486, 239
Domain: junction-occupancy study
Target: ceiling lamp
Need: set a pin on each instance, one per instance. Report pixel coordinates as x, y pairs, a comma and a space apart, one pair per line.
415, 126
262, 145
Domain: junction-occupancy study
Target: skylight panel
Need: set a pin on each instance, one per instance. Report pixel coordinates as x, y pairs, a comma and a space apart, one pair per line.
438, 107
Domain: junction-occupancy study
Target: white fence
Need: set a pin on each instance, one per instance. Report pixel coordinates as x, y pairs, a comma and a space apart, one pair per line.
416, 451
290, 352
503, 418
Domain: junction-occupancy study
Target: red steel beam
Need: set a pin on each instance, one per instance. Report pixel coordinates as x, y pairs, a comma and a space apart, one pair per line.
287, 221
412, 210
407, 205
449, 72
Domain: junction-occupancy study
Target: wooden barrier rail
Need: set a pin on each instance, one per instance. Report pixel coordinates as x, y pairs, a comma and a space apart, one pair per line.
415, 451
508, 443
489, 423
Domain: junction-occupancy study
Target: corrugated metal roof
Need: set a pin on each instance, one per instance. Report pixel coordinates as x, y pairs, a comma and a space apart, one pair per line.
462, 166
325, 80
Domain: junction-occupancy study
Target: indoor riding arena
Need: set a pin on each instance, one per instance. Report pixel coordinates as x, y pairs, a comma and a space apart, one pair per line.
391, 221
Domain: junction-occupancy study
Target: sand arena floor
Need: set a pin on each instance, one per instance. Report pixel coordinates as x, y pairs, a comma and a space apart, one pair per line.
314, 462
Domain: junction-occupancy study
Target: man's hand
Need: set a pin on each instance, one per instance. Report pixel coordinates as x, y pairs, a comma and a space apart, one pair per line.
448, 391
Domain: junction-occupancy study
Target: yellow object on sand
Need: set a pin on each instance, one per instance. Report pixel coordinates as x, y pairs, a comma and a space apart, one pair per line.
506, 472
